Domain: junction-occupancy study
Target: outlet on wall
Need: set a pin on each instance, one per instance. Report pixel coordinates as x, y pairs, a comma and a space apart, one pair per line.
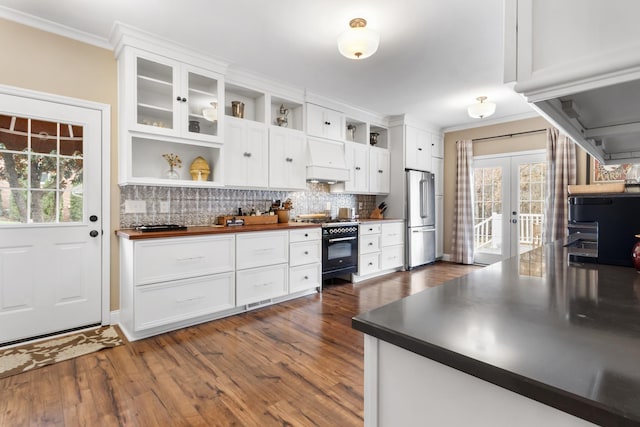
165, 206
135, 206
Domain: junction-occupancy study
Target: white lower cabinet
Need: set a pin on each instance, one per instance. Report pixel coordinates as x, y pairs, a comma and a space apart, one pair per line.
380, 248
305, 260
170, 283
259, 284
169, 302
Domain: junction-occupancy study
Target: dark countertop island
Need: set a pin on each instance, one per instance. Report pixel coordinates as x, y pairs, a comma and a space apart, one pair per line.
566, 335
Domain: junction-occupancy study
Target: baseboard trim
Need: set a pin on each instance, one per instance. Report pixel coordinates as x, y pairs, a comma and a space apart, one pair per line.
114, 317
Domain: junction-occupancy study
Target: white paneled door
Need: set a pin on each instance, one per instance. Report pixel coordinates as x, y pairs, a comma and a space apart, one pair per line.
50, 217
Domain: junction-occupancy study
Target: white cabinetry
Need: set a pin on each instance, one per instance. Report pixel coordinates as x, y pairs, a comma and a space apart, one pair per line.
287, 159
262, 266
379, 173
174, 282
418, 149
305, 258
380, 248
246, 153
357, 160
325, 122
161, 98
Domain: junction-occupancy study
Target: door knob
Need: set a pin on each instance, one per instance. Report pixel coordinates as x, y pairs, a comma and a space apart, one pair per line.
93, 233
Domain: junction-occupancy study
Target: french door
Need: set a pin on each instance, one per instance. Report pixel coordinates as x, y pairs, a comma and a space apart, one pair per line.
508, 212
50, 217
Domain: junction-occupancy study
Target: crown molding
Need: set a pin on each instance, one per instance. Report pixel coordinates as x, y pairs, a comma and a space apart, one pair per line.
53, 27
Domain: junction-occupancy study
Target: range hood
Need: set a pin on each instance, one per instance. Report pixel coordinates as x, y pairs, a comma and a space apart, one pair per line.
326, 161
605, 121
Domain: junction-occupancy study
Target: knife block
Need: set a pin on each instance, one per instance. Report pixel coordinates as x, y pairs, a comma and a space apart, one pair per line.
376, 214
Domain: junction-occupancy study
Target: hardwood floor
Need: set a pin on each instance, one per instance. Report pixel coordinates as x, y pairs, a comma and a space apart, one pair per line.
298, 363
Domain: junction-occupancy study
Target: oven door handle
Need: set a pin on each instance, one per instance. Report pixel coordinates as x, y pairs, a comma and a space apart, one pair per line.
342, 239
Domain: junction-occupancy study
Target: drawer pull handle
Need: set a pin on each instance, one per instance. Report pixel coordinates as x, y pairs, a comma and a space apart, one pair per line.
188, 259
263, 249
190, 299
306, 234
262, 285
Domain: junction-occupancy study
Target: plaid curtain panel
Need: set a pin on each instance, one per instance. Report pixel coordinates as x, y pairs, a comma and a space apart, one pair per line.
561, 172
462, 236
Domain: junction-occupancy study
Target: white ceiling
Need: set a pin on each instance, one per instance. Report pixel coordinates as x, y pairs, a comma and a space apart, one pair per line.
435, 56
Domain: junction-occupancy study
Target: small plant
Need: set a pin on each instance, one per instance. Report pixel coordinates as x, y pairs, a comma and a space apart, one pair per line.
173, 160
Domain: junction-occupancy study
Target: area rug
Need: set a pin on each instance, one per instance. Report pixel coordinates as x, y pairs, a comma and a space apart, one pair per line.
23, 358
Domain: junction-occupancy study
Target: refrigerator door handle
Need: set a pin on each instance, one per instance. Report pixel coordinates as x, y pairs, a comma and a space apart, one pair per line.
423, 192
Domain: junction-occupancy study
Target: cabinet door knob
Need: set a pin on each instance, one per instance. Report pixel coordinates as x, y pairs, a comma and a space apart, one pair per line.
289, 159
184, 99
178, 99
419, 148
306, 234
306, 252
247, 154
327, 123
306, 277
370, 263
370, 243
379, 170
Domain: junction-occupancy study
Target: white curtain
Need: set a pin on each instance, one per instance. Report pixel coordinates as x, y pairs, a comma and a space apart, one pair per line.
561, 172
462, 236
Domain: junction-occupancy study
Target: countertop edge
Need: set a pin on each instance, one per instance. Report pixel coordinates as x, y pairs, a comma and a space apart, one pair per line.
132, 234
540, 392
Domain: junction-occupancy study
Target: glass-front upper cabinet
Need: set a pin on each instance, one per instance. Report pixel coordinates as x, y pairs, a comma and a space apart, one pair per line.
176, 99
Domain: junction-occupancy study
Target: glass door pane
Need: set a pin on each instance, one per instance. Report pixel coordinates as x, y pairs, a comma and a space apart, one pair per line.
155, 103
488, 214
203, 104
530, 208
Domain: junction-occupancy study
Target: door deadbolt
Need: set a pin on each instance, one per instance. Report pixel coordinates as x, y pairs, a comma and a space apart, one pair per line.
93, 218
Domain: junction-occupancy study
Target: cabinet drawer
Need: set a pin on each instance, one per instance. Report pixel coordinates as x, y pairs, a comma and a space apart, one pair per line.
170, 302
304, 277
259, 284
366, 229
392, 257
305, 235
161, 260
305, 253
368, 244
260, 249
392, 234
368, 264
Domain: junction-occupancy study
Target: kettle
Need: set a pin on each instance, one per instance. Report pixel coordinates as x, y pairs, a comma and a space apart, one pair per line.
346, 213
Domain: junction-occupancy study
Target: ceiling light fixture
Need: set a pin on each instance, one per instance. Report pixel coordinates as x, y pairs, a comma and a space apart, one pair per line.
211, 113
358, 42
482, 109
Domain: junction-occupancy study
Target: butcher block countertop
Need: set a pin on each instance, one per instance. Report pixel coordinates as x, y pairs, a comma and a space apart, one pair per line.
132, 234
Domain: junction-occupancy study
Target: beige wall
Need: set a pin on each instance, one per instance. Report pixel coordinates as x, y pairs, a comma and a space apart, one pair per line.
41, 61
535, 141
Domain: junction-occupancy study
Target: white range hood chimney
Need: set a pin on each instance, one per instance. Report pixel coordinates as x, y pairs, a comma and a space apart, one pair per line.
326, 162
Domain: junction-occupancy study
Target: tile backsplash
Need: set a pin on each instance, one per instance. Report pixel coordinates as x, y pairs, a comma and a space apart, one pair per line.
201, 206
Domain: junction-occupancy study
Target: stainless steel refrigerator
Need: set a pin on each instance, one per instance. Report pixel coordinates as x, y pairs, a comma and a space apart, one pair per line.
421, 219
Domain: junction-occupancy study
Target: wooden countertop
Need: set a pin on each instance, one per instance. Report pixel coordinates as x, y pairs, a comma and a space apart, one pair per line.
132, 234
